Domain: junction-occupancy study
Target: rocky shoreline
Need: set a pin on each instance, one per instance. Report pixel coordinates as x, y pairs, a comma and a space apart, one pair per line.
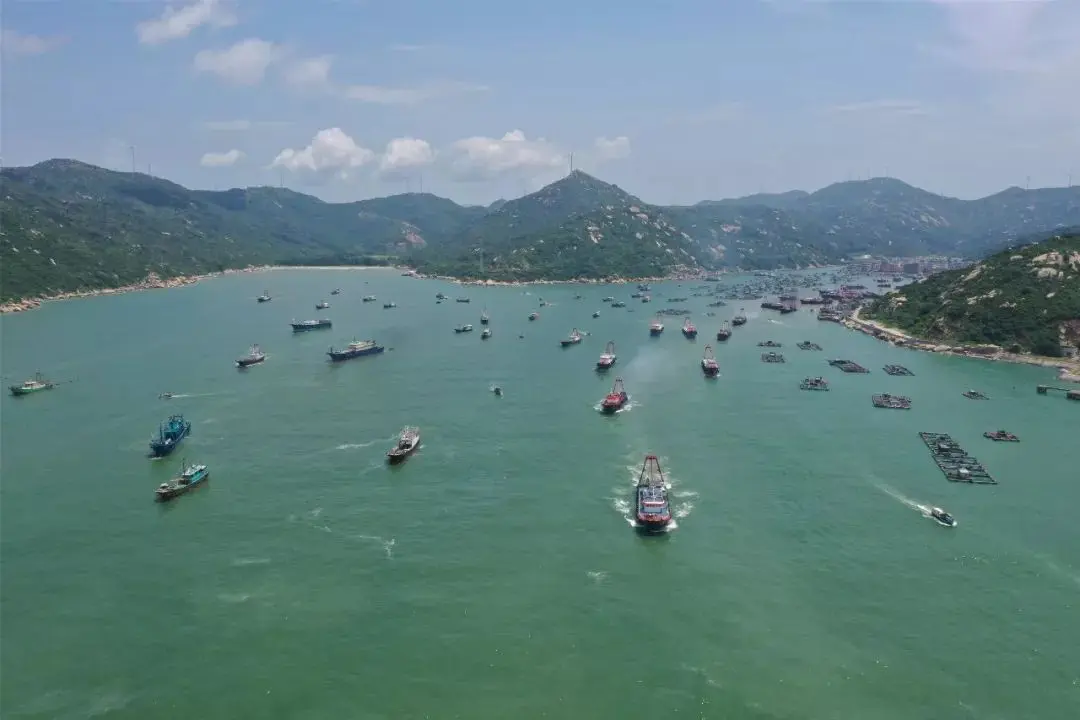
1068, 368
677, 277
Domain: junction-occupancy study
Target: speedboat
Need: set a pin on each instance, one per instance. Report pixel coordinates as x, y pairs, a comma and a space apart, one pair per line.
497, 390
942, 517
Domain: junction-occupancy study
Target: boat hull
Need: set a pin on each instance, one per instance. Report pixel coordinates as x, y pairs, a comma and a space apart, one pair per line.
248, 362
655, 331
610, 407
164, 449
689, 334
651, 526
602, 366
723, 335
710, 371
396, 456
305, 328
19, 391
343, 356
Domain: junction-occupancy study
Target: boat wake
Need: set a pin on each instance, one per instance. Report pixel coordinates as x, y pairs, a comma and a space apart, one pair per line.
597, 576
620, 499
369, 443
244, 562
311, 519
903, 499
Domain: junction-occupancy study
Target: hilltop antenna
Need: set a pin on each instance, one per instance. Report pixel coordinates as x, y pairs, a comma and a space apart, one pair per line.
571, 163
1070, 179
281, 177
1027, 183
132, 148
421, 183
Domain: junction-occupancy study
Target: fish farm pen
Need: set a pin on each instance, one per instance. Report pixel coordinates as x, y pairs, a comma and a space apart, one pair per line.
954, 462
814, 384
897, 370
770, 343
771, 357
975, 395
892, 402
809, 346
848, 366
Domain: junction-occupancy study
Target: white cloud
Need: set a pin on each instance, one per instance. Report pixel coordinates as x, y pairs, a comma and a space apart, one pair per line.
612, 149
179, 21
891, 107
244, 63
225, 159
310, 73
404, 155
481, 158
331, 152
14, 43
409, 96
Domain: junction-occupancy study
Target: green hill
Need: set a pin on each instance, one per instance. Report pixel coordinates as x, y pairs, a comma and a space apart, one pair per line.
1024, 299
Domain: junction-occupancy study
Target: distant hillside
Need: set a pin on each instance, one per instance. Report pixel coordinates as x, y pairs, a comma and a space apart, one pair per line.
66, 225
577, 227
1025, 298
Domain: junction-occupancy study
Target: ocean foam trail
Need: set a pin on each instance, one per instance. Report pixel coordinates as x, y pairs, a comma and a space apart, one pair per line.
896, 495
360, 446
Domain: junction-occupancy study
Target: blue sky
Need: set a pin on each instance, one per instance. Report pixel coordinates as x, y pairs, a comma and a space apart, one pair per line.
477, 99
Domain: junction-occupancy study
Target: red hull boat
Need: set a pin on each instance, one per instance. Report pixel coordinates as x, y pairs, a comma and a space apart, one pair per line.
616, 399
688, 329
709, 366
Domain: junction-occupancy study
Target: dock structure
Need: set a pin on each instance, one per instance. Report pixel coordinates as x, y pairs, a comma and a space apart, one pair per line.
891, 402
848, 366
1069, 394
897, 370
953, 460
772, 357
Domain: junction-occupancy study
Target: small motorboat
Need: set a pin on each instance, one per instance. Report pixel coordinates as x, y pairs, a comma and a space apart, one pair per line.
486, 334
607, 358
463, 329
533, 315
322, 306
709, 366
265, 297
497, 390
616, 399
408, 441
573, 339
166, 396
335, 291
485, 318
943, 518
596, 314
387, 306
368, 298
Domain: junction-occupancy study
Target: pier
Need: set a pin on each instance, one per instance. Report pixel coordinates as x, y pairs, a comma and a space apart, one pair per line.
1069, 394
954, 462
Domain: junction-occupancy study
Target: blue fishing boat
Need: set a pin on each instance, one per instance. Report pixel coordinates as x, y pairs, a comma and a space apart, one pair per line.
170, 433
191, 476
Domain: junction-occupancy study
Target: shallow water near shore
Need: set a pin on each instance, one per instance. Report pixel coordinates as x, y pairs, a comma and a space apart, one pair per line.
494, 573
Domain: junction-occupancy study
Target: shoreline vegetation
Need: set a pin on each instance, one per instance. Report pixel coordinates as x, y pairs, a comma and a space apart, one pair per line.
1068, 368
154, 282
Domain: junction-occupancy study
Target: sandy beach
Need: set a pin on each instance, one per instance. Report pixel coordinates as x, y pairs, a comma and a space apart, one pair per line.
1068, 368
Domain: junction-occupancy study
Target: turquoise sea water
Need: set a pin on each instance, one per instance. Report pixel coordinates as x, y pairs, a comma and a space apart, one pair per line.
494, 574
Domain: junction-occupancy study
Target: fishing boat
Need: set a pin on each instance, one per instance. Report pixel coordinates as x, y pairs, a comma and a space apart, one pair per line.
368, 298
265, 297
387, 306
484, 317
166, 396
440, 296
709, 366
170, 433
572, 339
975, 395
1001, 436
463, 328
462, 299
656, 326
596, 314
724, 332
254, 357
485, 334
335, 291
618, 304
355, 349
33, 385
305, 325
322, 306
646, 298
533, 315
616, 399
408, 441
739, 319
497, 390
942, 517
190, 477
688, 330
607, 358
652, 509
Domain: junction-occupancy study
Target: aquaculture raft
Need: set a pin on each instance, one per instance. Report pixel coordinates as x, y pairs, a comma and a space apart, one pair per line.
770, 343
897, 370
954, 462
892, 402
809, 346
848, 366
817, 383
975, 395
772, 357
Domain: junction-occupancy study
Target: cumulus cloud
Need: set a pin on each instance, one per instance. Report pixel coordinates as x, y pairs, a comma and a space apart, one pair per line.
612, 149
404, 155
310, 73
482, 158
15, 43
381, 95
222, 159
331, 152
244, 63
178, 21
